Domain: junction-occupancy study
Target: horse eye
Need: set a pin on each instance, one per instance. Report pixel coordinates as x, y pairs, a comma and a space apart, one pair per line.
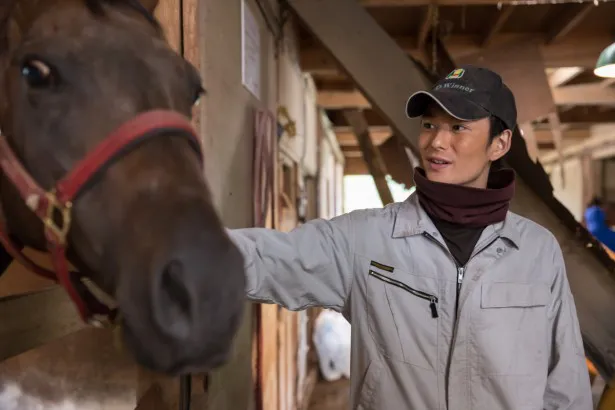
197, 95
37, 74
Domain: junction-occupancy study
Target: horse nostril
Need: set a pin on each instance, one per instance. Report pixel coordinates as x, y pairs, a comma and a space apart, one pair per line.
174, 306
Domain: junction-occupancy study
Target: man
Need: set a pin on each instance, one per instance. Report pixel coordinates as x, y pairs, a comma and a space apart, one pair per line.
597, 225
455, 302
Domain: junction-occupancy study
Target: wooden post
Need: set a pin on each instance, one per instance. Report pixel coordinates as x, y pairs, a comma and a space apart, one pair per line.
371, 155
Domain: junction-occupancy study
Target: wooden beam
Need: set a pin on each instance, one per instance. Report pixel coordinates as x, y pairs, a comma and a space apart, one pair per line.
426, 24
371, 154
558, 140
414, 3
584, 94
349, 33
601, 137
503, 16
355, 166
563, 75
609, 82
581, 116
342, 99
581, 51
345, 135
529, 135
380, 134
564, 24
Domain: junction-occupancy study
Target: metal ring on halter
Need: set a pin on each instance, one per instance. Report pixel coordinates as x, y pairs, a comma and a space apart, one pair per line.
64, 210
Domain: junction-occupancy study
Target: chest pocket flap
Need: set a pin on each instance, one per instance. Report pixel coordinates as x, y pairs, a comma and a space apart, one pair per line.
510, 295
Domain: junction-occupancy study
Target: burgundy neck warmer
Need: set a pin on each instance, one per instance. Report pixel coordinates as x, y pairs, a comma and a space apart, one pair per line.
471, 207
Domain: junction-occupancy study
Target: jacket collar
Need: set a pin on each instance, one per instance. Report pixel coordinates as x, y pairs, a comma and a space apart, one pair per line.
412, 220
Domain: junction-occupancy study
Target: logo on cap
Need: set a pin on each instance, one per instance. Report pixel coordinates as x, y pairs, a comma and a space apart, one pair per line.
458, 73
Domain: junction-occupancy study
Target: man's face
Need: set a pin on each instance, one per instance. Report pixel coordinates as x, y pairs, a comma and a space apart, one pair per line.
459, 152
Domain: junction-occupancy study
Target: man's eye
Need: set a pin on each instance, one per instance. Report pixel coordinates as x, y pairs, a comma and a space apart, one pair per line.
459, 127
427, 125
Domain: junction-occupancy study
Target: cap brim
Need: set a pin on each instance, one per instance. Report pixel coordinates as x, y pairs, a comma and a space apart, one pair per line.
455, 104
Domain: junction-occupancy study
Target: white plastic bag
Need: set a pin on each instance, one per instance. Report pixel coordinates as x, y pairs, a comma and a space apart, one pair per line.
332, 342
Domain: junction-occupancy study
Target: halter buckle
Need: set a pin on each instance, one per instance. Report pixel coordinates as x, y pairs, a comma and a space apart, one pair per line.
63, 209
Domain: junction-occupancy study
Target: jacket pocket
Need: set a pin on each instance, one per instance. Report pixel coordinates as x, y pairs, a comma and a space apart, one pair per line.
511, 330
403, 316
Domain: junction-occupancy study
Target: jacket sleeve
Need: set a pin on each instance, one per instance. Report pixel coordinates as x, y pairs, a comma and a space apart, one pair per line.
309, 266
568, 386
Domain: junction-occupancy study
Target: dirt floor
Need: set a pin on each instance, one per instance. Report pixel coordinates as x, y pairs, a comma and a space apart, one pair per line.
330, 395
334, 395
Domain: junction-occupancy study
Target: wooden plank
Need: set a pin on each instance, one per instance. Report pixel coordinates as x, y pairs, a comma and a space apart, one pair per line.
573, 51
563, 75
584, 94
168, 14
525, 76
529, 135
503, 16
371, 155
83, 370
414, 3
32, 320
564, 24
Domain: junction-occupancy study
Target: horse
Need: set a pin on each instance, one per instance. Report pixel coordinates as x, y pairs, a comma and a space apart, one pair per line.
102, 169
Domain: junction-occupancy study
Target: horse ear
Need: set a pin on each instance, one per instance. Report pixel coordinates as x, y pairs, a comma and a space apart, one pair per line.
150, 5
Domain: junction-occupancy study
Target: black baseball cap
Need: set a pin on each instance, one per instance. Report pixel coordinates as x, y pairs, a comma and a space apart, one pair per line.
468, 93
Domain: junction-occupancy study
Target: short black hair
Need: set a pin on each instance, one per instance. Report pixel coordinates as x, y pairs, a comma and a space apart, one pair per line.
596, 201
496, 127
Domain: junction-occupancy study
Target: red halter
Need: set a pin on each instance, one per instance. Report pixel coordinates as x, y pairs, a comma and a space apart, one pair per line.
59, 200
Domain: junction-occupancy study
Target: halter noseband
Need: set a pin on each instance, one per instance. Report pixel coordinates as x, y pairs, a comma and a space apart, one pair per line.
59, 200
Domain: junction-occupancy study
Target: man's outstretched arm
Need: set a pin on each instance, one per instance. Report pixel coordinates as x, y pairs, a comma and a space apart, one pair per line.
309, 266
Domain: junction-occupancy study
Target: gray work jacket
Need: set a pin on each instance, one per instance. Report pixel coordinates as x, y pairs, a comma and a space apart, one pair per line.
510, 341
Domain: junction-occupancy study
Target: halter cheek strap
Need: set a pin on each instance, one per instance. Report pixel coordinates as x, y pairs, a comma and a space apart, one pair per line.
58, 202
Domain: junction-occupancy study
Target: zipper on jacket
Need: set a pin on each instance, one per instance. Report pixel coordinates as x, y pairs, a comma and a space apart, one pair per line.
433, 301
461, 270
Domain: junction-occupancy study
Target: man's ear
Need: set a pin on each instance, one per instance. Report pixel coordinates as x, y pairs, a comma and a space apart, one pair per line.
500, 145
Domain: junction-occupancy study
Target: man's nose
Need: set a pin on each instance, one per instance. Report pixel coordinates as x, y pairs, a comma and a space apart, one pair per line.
441, 139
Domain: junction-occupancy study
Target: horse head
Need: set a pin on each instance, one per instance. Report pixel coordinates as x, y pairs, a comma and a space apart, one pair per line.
76, 75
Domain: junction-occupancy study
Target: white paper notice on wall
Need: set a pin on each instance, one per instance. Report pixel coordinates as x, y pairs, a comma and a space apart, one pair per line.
250, 50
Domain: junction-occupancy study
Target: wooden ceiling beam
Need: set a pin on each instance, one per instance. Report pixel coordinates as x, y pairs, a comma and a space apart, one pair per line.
425, 26
503, 16
567, 22
346, 137
371, 155
562, 76
415, 3
583, 94
379, 135
575, 116
571, 52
